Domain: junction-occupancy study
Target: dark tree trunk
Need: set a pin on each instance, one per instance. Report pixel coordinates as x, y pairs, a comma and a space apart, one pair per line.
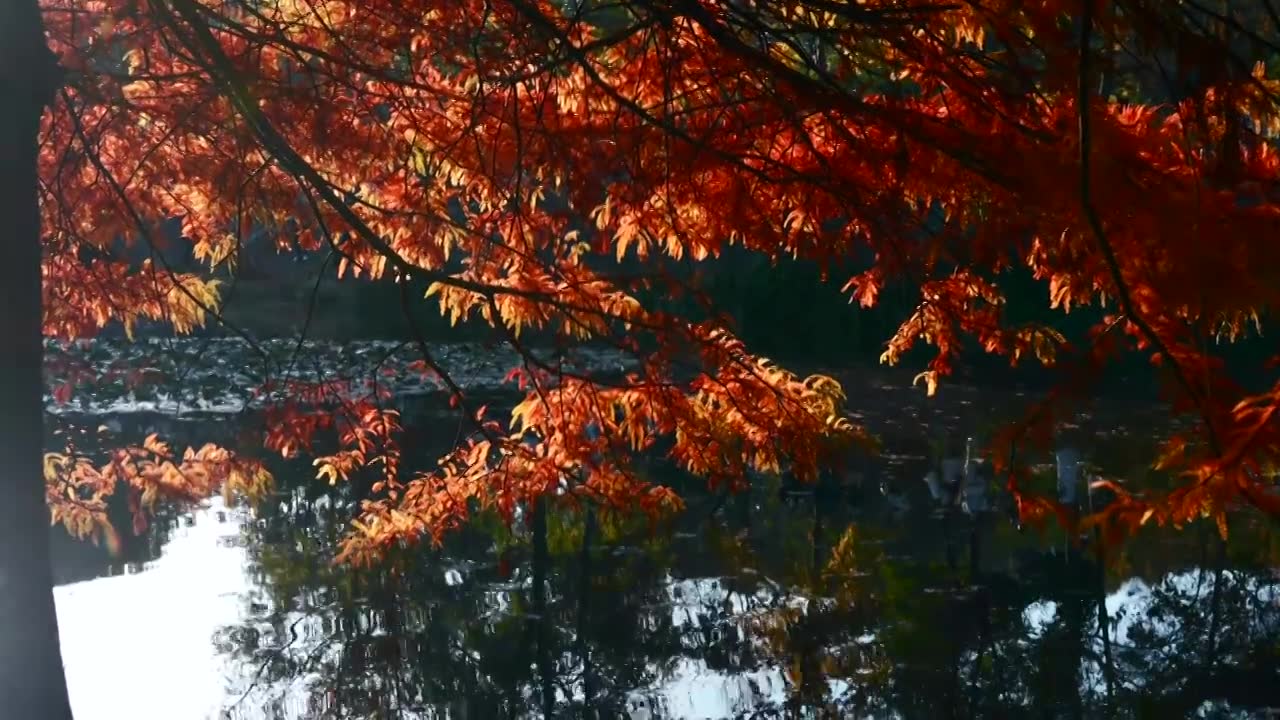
31, 677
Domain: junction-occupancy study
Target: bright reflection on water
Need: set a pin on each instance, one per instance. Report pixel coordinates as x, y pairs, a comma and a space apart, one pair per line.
140, 645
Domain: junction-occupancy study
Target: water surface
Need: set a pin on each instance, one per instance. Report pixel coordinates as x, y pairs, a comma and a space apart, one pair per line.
859, 599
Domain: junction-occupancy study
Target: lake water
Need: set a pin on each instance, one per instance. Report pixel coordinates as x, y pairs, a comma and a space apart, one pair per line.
860, 599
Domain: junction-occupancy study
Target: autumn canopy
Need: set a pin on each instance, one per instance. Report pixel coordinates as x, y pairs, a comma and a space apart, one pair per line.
552, 166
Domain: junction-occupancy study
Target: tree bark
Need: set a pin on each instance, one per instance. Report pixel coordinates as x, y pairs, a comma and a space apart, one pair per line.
32, 684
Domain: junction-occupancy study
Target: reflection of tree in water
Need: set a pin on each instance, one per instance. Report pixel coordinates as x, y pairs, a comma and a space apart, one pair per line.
784, 608
455, 630
1205, 634
928, 640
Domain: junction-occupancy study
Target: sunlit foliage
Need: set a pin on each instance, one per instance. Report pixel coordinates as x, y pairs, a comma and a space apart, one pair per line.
540, 166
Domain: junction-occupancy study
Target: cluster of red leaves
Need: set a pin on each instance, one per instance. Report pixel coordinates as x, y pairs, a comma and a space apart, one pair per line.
515, 153
576, 440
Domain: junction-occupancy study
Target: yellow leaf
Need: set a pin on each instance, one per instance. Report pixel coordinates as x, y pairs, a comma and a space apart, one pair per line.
930, 380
